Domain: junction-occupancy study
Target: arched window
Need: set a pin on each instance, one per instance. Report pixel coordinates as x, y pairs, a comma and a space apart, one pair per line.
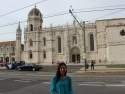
31, 27
122, 33
13, 59
13, 49
91, 42
74, 40
44, 54
7, 59
31, 42
59, 45
30, 54
44, 41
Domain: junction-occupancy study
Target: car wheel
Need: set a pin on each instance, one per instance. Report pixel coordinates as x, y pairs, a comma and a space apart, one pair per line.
19, 69
33, 69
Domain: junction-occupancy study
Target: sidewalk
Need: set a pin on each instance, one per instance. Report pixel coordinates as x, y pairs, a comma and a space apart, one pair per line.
100, 69
3, 67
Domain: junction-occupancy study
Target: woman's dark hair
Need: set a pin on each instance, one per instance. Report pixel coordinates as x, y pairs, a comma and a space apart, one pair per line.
58, 71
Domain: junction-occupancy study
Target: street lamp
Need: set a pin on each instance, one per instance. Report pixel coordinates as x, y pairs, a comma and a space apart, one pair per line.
105, 59
83, 29
84, 44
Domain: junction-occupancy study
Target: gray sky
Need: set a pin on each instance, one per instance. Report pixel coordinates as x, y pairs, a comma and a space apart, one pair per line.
48, 7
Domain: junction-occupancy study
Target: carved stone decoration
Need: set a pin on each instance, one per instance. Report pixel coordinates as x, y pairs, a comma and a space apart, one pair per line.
32, 36
75, 50
122, 33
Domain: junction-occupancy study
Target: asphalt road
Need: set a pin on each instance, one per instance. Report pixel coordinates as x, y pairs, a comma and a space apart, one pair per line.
29, 86
38, 82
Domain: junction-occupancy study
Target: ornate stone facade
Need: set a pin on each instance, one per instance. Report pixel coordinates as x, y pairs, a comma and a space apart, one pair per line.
105, 41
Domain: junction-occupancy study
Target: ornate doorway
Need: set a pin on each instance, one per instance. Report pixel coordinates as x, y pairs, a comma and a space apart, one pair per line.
75, 55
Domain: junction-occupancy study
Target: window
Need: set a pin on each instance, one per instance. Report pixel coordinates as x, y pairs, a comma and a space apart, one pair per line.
31, 42
74, 40
91, 42
31, 27
13, 59
13, 49
122, 33
30, 54
44, 54
44, 41
59, 45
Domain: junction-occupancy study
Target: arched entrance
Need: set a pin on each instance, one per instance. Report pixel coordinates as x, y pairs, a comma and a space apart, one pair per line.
75, 55
7, 59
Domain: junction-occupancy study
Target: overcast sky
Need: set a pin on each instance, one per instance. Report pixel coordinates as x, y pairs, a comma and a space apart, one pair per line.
48, 7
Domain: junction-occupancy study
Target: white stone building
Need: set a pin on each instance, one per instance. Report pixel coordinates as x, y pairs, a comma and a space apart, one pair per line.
105, 40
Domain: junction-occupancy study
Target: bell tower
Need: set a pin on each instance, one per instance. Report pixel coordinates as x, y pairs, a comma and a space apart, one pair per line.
18, 43
35, 20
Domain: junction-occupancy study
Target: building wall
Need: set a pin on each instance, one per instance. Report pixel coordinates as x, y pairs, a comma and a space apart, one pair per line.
115, 44
7, 52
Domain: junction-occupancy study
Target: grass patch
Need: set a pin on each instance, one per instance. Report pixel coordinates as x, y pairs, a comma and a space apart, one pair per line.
115, 66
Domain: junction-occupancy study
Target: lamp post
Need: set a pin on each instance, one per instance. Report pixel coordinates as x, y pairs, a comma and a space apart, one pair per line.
84, 44
83, 29
105, 59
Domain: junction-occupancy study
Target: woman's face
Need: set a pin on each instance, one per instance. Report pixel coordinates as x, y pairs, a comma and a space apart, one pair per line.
62, 69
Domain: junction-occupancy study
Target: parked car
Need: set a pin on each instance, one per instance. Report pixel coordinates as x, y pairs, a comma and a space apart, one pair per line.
30, 66
14, 64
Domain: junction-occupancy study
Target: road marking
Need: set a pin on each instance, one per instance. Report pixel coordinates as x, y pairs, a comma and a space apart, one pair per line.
14, 74
1, 73
2, 79
21, 81
94, 82
91, 84
46, 82
115, 85
122, 81
28, 79
38, 75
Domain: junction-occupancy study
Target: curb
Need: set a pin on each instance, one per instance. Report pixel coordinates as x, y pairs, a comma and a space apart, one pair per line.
2, 67
87, 72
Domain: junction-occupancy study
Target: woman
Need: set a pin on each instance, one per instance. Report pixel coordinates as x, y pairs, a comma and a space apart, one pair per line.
61, 84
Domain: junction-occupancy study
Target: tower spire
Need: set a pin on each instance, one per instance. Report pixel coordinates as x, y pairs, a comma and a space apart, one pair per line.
35, 5
19, 29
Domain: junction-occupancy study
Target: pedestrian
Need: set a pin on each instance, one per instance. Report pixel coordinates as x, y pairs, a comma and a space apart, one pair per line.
92, 64
61, 83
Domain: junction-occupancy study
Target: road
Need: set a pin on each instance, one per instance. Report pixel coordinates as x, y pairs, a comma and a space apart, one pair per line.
38, 82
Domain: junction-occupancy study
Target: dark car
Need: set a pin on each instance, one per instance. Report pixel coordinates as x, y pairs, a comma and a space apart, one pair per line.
14, 64
30, 66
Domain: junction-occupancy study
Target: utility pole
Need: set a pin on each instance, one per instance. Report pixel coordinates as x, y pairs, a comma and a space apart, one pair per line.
83, 29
